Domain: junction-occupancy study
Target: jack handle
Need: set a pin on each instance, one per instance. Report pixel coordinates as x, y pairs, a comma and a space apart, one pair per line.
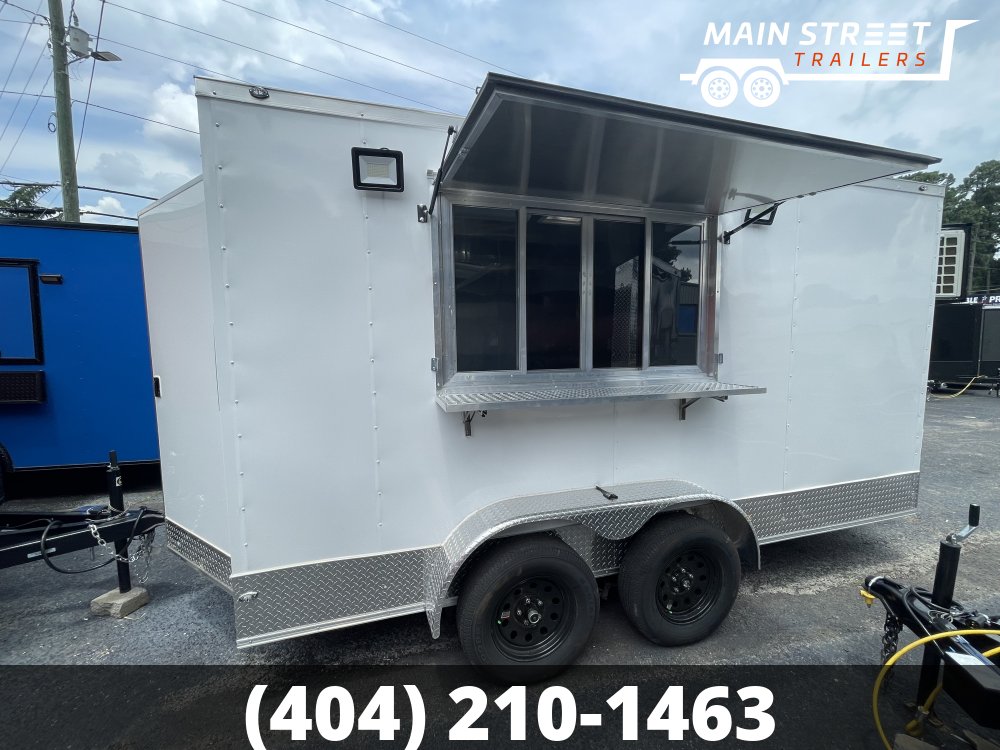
961, 536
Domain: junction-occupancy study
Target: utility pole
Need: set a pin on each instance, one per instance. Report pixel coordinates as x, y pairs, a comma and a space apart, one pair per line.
64, 114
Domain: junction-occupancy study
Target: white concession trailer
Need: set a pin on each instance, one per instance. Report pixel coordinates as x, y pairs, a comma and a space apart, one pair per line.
401, 368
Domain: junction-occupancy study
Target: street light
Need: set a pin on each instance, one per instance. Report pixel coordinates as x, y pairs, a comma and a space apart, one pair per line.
79, 41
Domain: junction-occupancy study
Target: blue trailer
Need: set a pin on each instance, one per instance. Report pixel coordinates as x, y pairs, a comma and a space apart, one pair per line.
75, 373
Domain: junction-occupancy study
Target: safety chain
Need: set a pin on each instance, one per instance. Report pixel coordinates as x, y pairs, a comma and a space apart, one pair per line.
145, 550
890, 642
890, 637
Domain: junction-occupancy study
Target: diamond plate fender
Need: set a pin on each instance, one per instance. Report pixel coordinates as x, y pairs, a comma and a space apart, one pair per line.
610, 519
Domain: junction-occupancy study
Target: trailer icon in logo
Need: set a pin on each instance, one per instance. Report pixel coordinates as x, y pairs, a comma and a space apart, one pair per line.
721, 79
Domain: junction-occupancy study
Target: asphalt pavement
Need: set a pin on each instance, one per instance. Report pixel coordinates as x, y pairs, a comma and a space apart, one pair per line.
802, 607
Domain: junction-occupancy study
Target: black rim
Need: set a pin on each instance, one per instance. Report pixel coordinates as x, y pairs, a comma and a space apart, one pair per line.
689, 586
532, 618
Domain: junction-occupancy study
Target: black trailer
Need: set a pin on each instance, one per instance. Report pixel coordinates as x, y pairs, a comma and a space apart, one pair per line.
965, 345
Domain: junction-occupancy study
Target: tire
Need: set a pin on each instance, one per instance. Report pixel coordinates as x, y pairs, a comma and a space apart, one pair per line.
673, 557
719, 87
527, 609
762, 88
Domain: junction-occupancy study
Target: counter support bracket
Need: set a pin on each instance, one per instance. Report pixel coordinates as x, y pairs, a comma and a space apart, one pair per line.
684, 403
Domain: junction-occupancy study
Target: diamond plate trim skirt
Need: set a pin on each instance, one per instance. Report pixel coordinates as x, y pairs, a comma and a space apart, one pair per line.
793, 514
210, 560
278, 604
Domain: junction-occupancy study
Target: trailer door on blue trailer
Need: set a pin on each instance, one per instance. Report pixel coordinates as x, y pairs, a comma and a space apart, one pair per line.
75, 374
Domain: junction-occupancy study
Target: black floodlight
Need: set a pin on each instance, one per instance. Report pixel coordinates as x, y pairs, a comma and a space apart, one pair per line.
377, 169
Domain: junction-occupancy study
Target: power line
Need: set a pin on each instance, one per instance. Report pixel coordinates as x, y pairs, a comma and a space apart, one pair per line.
93, 66
17, 57
21, 94
18, 183
117, 111
118, 192
113, 216
346, 44
283, 59
424, 38
25, 125
33, 13
139, 117
174, 59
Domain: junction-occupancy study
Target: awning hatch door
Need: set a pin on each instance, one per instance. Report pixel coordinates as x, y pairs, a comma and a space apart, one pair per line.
532, 139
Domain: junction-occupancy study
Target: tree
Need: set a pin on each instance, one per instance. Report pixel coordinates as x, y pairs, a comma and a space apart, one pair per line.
976, 201
22, 203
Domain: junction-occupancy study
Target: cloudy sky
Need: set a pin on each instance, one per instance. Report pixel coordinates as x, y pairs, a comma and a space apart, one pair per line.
433, 53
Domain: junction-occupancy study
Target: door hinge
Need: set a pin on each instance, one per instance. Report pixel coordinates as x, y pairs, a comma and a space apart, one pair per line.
718, 358
434, 364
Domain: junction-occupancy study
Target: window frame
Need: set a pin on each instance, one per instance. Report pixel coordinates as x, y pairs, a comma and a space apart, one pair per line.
34, 299
446, 353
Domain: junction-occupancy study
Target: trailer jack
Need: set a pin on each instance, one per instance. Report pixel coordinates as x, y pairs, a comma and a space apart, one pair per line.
960, 645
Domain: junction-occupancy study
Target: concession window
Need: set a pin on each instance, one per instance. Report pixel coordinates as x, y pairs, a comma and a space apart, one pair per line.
579, 237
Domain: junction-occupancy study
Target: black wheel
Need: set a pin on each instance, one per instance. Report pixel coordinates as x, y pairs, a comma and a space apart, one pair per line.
526, 610
679, 579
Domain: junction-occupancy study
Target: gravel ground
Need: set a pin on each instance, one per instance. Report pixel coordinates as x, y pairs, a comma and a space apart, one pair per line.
801, 608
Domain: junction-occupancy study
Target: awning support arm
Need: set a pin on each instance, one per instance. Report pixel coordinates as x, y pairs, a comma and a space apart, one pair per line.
423, 211
765, 217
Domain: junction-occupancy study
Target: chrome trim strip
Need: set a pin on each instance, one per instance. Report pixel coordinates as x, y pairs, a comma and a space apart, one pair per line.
319, 627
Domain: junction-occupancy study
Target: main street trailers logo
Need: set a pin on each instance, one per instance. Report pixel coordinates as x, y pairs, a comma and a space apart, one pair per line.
850, 51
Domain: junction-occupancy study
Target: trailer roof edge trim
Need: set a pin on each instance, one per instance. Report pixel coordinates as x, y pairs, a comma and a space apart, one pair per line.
53, 224
172, 194
522, 137
298, 101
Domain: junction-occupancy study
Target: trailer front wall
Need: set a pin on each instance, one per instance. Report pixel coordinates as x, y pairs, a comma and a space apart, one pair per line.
862, 315
175, 263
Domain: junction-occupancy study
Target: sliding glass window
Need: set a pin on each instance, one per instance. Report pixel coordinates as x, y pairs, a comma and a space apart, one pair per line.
618, 273
536, 290
485, 258
552, 291
675, 294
